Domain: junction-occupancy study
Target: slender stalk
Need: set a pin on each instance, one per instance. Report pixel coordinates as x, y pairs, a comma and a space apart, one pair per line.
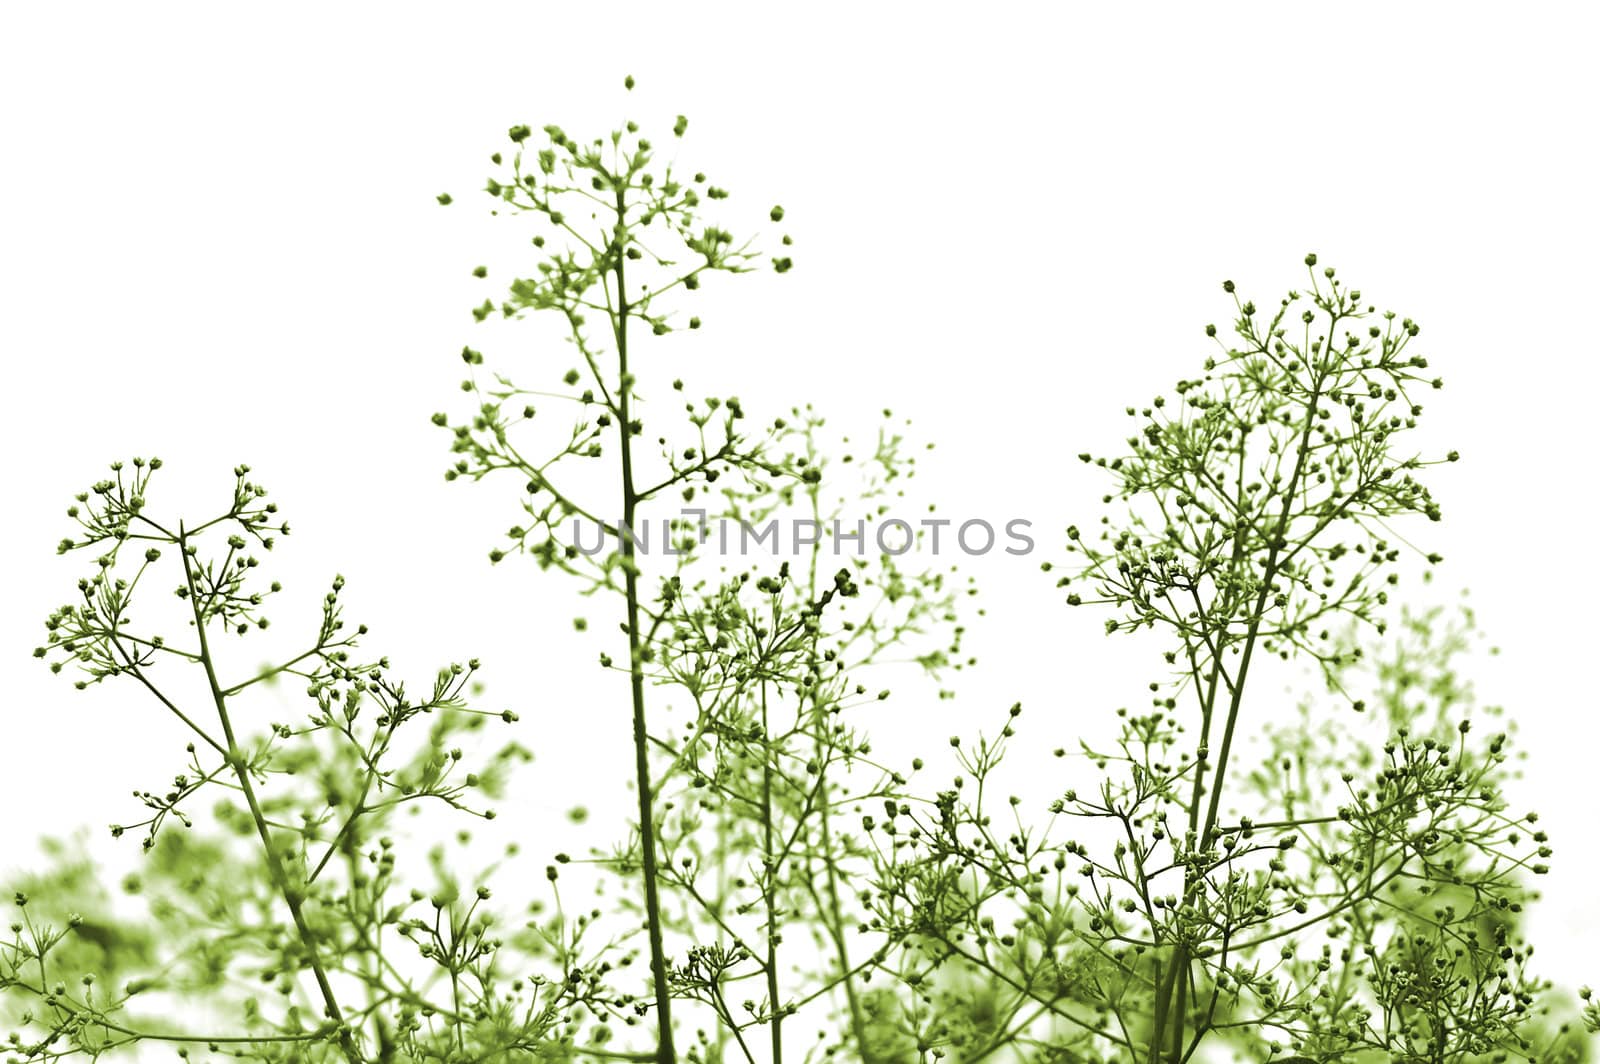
831, 911
768, 887
1177, 973
280, 877
1182, 976
641, 739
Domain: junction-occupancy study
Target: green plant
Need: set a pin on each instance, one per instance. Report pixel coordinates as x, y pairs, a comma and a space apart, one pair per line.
1255, 527
1348, 890
737, 807
305, 807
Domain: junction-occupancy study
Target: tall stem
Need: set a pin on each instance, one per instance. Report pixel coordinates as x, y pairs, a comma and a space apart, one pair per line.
641, 739
832, 912
769, 886
236, 760
1177, 972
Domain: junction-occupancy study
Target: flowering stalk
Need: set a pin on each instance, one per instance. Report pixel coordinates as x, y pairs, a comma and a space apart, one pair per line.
347, 750
591, 276
741, 651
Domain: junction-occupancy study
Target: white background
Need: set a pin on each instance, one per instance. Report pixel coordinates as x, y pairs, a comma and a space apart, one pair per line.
221, 244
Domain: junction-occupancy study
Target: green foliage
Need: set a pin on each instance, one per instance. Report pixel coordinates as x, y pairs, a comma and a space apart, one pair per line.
1346, 888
